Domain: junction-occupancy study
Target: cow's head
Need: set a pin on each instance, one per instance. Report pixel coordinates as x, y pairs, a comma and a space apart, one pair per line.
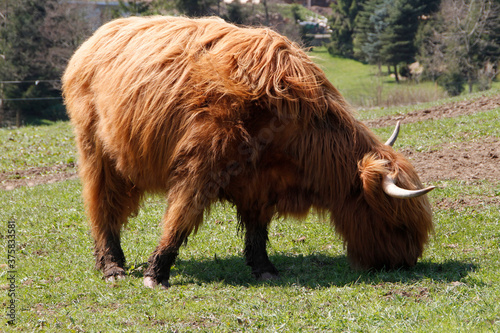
387, 223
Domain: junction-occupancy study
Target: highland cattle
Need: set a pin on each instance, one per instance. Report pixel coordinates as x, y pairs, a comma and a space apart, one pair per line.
202, 110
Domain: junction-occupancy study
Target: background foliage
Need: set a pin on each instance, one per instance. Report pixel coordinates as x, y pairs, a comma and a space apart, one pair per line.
456, 42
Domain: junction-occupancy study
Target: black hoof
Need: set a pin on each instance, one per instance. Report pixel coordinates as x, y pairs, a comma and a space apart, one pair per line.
114, 274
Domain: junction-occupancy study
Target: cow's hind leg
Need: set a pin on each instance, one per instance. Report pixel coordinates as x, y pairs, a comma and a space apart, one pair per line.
109, 200
256, 238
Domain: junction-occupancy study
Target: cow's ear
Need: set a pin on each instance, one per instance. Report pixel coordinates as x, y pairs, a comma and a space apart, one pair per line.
371, 171
375, 175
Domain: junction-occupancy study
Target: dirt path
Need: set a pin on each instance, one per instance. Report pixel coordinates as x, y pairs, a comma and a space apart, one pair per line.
468, 161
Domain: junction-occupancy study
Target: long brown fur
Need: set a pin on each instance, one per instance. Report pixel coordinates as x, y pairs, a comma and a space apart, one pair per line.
203, 110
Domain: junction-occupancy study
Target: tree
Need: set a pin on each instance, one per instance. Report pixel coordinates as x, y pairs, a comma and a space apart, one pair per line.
398, 36
236, 12
195, 7
132, 7
386, 29
343, 24
370, 24
26, 50
466, 43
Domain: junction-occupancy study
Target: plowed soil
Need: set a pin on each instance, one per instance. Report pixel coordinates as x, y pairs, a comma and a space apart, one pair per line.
450, 110
467, 161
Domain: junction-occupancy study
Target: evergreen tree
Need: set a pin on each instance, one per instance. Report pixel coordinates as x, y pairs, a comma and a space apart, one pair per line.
489, 53
132, 8
37, 38
386, 29
362, 27
370, 24
343, 24
195, 7
235, 13
398, 37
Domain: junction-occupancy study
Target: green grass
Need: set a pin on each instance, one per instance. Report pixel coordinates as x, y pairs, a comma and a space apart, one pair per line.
454, 287
363, 87
428, 134
36, 146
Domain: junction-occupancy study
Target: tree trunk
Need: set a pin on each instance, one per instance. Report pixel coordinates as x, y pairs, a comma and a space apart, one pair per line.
266, 10
18, 118
396, 76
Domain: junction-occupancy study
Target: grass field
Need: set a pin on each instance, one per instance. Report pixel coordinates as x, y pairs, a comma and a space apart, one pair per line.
453, 288
364, 87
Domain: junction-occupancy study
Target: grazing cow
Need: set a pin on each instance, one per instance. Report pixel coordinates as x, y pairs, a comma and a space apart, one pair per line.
203, 110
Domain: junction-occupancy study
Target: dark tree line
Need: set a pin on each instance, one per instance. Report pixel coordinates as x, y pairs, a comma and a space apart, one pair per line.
37, 37
381, 32
456, 41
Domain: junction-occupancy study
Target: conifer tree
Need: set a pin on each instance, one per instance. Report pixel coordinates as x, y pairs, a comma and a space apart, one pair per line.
132, 7
343, 24
370, 23
25, 50
386, 29
195, 7
398, 37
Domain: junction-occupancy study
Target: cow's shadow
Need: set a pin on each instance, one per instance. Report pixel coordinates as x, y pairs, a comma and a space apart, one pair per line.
312, 271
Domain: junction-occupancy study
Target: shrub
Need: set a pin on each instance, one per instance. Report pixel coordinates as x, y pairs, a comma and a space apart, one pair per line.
453, 83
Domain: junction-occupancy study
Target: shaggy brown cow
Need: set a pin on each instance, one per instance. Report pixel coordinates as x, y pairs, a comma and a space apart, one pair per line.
206, 111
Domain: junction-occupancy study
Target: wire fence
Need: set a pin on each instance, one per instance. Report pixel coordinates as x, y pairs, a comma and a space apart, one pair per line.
10, 117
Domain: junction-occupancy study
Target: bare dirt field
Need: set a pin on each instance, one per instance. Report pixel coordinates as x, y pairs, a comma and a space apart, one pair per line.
467, 161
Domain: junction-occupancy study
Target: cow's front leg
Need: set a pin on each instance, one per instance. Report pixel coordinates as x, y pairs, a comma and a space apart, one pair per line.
256, 239
182, 216
162, 259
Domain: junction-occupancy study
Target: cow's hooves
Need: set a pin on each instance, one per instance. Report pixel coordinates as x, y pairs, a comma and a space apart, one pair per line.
268, 276
114, 278
149, 282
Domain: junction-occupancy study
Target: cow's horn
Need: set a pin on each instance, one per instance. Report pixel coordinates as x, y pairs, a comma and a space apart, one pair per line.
394, 135
391, 189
